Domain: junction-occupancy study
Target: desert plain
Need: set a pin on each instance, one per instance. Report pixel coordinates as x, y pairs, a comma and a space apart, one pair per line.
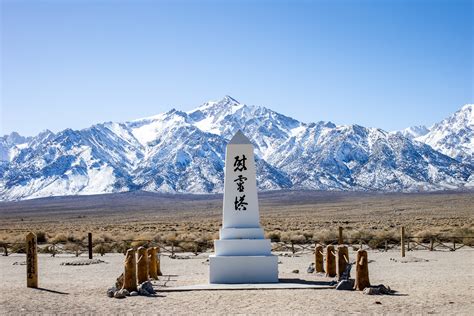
426, 282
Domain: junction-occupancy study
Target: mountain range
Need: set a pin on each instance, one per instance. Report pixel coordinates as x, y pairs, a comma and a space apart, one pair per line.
181, 151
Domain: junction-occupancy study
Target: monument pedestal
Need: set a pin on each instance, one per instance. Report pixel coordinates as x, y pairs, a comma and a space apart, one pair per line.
243, 269
242, 254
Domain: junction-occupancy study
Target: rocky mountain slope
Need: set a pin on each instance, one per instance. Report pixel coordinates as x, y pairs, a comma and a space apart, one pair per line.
184, 152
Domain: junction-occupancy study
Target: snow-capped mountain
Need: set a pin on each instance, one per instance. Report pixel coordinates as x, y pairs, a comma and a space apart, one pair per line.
10, 144
414, 131
184, 152
454, 136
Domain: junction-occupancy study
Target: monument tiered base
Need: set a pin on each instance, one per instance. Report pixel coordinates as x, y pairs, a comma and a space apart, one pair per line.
243, 269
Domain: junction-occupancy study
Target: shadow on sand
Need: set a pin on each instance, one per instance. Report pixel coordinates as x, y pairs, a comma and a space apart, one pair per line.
50, 291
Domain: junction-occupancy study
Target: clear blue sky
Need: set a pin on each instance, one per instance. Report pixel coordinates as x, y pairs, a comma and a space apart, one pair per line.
388, 64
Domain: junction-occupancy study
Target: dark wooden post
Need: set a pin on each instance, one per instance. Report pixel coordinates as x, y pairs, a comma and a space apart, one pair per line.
340, 241
431, 244
454, 244
89, 237
386, 245
403, 241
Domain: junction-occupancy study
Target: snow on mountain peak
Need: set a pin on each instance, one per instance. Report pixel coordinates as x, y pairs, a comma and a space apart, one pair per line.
414, 131
180, 151
454, 136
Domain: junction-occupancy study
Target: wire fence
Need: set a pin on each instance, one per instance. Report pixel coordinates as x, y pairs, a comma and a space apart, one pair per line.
196, 247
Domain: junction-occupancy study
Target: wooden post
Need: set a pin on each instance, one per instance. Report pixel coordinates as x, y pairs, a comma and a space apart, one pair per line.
330, 261
431, 244
454, 244
89, 238
31, 261
386, 245
340, 241
402, 240
142, 265
362, 271
152, 272
158, 262
318, 259
5, 246
130, 273
342, 260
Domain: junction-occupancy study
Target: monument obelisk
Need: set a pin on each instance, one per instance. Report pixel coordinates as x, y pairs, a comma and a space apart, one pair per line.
242, 254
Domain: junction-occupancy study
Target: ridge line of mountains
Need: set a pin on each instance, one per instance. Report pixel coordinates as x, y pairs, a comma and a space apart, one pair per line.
184, 152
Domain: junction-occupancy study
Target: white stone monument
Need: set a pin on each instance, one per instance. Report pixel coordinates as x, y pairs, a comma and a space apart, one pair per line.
242, 254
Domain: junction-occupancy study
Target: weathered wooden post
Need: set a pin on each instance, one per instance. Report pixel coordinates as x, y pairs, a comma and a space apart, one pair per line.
142, 265
158, 262
130, 273
431, 244
342, 260
362, 271
454, 244
386, 245
402, 241
31, 260
152, 272
330, 261
340, 240
318, 259
89, 245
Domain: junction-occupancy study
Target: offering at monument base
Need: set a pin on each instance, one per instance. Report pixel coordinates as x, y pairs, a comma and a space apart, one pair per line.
242, 254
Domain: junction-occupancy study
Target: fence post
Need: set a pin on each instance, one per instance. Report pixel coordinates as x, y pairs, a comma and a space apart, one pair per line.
142, 265
431, 244
89, 237
152, 271
130, 273
318, 258
293, 248
454, 244
330, 261
386, 245
158, 262
5, 246
403, 241
342, 260
340, 241
362, 271
31, 260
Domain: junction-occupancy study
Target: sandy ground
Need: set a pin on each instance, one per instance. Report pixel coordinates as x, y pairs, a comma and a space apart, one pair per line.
429, 283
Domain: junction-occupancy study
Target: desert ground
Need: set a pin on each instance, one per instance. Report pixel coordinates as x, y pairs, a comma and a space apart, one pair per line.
439, 282
426, 282
285, 215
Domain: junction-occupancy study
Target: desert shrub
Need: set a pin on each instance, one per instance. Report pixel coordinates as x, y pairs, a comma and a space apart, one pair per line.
59, 238
102, 249
273, 236
325, 236
75, 248
121, 246
139, 243
18, 248
424, 236
293, 237
41, 237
